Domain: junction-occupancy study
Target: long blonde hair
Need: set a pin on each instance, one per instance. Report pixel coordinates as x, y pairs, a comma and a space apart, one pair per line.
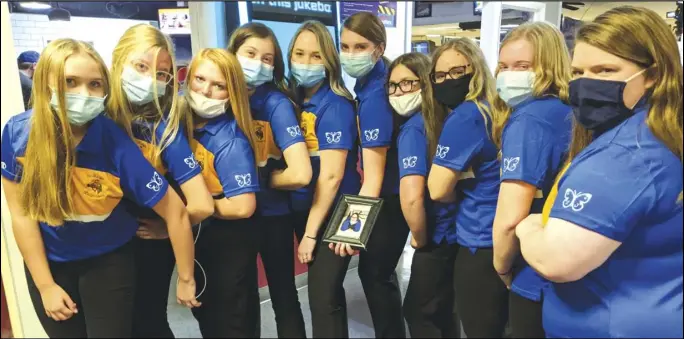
45, 190
482, 88
143, 37
331, 60
641, 36
238, 98
551, 66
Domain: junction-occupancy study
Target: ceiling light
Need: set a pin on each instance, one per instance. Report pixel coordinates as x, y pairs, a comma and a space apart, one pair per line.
35, 5
433, 35
439, 28
59, 14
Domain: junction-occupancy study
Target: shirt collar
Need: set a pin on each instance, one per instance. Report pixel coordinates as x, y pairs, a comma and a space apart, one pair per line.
373, 80
318, 96
214, 125
258, 98
92, 140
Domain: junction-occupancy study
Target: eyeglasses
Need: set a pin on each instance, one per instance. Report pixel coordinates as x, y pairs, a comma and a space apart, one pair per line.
143, 68
405, 86
453, 73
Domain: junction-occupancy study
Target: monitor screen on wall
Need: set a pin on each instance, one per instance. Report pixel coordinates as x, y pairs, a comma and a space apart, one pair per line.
174, 21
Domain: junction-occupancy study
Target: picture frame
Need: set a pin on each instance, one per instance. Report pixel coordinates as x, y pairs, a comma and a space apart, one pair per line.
353, 220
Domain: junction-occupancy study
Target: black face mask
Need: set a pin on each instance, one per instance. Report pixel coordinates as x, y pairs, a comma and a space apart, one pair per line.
452, 92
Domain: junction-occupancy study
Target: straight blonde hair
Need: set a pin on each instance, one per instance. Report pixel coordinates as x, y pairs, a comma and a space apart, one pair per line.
45, 190
551, 66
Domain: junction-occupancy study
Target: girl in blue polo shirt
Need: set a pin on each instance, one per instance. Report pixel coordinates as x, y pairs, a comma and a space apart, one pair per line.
428, 305
71, 175
283, 162
217, 105
143, 88
532, 82
465, 169
610, 236
328, 123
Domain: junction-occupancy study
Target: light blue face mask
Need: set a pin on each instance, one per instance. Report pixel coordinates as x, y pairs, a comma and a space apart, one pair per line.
357, 65
308, 75
140, 88
514, 87
256, 72
80, 108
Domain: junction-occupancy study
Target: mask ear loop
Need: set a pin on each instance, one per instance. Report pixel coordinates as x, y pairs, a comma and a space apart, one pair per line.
204, 274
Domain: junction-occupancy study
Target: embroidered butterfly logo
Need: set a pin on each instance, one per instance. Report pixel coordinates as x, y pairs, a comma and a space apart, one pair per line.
244, 179
294, 131
156, 183
4, 166
510, 164
333, 137
372, 134
442, 151
410, 162
576, 200
190, 161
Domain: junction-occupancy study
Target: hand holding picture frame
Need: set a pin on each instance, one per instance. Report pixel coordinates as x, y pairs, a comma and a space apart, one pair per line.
353, 220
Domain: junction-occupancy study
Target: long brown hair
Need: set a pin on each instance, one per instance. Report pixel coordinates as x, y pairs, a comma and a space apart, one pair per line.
551, 66
434, 114
369, 26
641, 36
235, 86
45, 190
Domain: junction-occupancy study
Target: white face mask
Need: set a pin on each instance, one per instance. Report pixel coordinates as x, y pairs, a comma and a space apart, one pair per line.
206, 107
140, 88
256, 72
407, 104
81, 109
514, 87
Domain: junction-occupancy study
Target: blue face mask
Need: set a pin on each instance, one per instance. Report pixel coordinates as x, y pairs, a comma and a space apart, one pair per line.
357, 65
256, 72
308, 75
80, 108
140, 88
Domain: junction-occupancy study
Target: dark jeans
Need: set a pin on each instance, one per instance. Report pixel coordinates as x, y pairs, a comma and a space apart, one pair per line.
481, 296
230, 304
103, 289
377, 266
155, 262
525, 317
276, 245
429, 303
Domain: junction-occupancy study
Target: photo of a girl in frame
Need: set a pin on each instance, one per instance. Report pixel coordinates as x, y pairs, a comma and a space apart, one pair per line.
352, 222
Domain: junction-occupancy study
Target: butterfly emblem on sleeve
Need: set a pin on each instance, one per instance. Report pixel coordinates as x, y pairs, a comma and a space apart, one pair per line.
410, 162
190, 161
442, 151
576, 200
333, 137
4, 165
156, 183
243, 180
510, 164
372, 134
294, 131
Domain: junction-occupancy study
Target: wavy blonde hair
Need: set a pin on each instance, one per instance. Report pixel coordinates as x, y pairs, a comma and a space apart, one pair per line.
641, 36
45, 190
551, 66
145, 37
331, 59
482, 90
238, 98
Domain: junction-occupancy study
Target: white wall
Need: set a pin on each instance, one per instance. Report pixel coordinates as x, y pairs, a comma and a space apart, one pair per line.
32, 31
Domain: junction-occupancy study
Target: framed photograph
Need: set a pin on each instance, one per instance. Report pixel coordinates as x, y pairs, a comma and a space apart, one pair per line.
353, 220
422, 10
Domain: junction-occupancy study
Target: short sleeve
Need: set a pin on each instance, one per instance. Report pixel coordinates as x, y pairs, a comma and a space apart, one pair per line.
285, 126
10, 167
527, 151
412, 148
375, 121
236, 168
139, 181
335, 128
179, 159
461, 140
608, 192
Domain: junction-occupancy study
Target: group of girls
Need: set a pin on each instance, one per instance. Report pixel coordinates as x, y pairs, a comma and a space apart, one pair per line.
474, 161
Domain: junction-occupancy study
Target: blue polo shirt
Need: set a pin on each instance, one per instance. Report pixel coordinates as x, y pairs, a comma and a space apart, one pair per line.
535, 143
176, 161
466, 146
376, 124
225, 157
110, 175
625, 186
328, 122
412, 147
276, 128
